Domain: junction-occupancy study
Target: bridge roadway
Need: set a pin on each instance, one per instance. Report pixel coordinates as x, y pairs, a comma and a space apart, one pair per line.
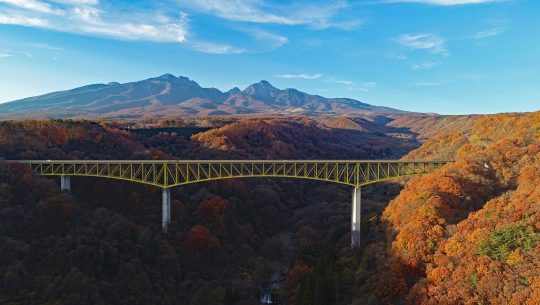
171, 173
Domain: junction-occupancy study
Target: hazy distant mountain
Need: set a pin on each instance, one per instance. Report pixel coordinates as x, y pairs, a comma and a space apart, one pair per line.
168, 95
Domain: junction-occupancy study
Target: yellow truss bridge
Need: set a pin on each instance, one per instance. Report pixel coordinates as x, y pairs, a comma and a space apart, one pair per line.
170, 173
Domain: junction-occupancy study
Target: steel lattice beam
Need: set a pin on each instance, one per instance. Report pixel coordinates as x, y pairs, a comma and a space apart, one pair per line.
171, 173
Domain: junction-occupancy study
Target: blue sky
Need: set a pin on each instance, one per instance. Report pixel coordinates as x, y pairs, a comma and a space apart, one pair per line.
444, 56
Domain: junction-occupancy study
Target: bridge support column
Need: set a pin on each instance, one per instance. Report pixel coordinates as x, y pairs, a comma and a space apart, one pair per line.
65, 183
355, 217
165, 209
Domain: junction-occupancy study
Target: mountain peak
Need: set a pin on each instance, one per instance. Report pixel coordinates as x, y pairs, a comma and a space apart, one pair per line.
166, 76
180, 81
234, 90
262, 90
265, 84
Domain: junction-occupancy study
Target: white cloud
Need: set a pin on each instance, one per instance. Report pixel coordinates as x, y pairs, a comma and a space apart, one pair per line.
425, 65
302, 76
489, 33
242, 10
343, 82
275, 39
33, 5
161, 29
344, 25
430, 42
43, 46
424, 84
214, 48
444, 2
23, 20
85, 2
164, 21
133, 31
89, 14
87, 17
8, 53
322, 16
352, 85
316, 15
369, 84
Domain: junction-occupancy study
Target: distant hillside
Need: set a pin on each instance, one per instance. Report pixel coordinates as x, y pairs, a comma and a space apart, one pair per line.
430, 126
303, 138
167, 95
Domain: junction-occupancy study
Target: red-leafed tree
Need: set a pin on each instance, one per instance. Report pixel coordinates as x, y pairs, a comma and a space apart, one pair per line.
213, 209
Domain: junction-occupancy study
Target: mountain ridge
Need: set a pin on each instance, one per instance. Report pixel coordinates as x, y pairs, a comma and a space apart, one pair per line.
169, 95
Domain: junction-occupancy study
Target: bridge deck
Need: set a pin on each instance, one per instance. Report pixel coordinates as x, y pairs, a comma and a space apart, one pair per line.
229, 161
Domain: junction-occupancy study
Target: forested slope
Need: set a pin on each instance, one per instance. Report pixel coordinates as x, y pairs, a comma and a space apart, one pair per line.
468, 233
432, 126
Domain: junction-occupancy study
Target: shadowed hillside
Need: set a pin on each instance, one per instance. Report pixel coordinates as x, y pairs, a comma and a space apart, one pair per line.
469, 232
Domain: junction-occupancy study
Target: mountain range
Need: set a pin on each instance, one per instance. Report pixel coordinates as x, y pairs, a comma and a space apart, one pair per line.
168, 95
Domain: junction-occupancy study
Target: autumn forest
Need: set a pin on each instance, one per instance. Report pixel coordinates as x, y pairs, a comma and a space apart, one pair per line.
468, 233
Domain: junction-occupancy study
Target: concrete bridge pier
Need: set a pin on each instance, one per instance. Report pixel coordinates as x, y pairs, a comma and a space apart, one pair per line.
355, 217
65, 183
166, 209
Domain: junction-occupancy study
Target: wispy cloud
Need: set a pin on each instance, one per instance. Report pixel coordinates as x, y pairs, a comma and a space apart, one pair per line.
242, 10
274, 40
302, 76
343, 82
316, 15
18, 19
430, 42
425, 65
424, 84
33, 5
444, 2
489, 33
89, 17
166, 21
353, 85
43, 46
9, 53
214, 48
369, 84
163, 22
6, 55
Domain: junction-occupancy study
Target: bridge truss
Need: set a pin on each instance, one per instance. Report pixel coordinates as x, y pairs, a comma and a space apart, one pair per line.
167, 174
